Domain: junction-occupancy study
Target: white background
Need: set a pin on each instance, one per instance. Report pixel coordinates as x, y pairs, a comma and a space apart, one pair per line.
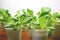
35, 5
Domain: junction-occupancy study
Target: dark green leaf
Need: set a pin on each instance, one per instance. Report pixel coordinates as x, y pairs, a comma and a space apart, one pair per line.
22, 18
45, 11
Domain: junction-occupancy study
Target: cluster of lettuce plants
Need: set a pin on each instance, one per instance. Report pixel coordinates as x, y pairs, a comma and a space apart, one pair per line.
43, 20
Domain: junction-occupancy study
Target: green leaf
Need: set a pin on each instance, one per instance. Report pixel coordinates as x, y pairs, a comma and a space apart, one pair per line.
17, 14
43, 22
4, 15
22, 17
55, 15
24, 11
27, 20
30, 12
45, 11
58, 17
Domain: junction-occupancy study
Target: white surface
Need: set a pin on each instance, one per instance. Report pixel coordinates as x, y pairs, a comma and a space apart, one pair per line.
35, 5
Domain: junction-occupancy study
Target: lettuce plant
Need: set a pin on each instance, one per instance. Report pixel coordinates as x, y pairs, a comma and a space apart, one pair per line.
23, 18
4, 17
30, 14
44, 19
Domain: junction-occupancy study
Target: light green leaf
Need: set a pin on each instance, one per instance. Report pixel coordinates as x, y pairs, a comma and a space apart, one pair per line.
43, 22
30, 12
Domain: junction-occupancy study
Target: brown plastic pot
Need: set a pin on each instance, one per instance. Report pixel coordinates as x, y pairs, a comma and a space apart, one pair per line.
56, 32
3, 35
26, 35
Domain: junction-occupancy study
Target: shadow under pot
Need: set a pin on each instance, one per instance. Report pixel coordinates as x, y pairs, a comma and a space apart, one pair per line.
39, 35
56, 32
13, 34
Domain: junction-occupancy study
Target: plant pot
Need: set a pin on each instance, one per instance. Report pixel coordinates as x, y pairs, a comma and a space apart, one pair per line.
56, 32
39, 35
2, 30
26, 35
14, 34
3, 35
